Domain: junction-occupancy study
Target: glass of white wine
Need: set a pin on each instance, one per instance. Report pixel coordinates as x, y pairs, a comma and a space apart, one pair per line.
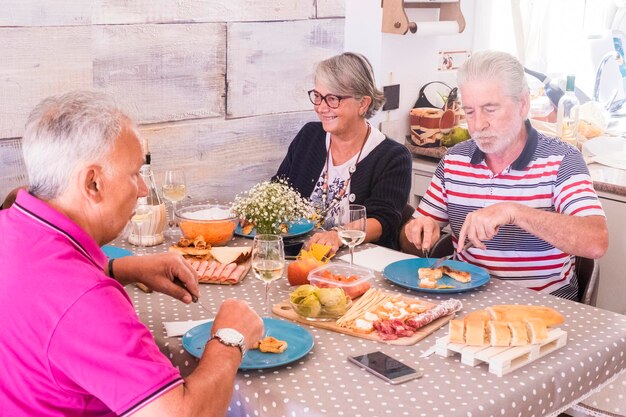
268, 262
351, 228
174, 190
141, 215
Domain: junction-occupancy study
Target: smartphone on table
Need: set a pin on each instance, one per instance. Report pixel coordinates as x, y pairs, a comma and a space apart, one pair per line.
385, 367
292, 249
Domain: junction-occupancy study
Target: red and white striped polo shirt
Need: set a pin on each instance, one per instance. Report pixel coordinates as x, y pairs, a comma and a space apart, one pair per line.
548, 175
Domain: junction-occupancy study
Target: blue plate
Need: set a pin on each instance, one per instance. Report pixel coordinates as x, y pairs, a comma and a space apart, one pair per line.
299, 343
404, 273
295, 229
113, 252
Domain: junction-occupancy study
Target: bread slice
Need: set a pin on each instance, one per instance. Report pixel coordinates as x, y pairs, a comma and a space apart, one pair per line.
500, 334
456, 331
270, 344
431, 274
550, 316
519, 334
456, 275
427, 283
537, 330
475, 334
230, 254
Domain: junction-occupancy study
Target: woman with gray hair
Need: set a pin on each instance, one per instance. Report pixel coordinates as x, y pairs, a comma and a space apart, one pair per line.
343, 159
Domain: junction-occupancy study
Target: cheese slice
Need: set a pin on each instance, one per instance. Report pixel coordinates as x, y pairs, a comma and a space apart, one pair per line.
228, 254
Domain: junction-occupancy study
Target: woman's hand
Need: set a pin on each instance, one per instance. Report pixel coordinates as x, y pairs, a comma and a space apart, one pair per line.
330, 238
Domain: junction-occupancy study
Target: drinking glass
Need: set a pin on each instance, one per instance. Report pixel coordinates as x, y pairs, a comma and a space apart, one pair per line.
351, 229
174, 190
141, 215
268, 262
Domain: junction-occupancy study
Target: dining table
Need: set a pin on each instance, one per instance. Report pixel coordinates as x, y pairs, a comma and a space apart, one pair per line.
324, 383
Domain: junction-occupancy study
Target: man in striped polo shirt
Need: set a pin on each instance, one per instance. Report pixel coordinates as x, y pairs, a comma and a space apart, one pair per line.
524, 199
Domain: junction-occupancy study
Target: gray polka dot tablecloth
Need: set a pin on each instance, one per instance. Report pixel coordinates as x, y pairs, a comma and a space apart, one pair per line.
324, 383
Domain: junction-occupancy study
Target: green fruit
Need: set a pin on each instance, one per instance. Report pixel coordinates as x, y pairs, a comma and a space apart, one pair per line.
456, 135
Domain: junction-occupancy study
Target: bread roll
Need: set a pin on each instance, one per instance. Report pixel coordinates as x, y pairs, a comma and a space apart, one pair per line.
537, 330
550, 316
519, 335
456, 330
500, 334
475, 334
478, 315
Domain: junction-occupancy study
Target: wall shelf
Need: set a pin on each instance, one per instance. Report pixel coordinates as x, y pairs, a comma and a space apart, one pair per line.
396, 21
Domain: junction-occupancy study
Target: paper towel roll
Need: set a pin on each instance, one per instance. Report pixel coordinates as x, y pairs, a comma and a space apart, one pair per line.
437, 28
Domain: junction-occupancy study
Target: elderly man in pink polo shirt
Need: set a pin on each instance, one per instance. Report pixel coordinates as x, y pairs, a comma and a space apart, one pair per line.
71, 342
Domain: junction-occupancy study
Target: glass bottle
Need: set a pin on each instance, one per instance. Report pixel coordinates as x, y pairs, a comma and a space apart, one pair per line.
152, 230
567, 114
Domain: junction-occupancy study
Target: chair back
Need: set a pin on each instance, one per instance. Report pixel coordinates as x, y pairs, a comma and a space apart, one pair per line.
588, 275
442, 247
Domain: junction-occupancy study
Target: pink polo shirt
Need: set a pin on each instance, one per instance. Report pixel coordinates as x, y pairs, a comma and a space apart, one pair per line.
71, 343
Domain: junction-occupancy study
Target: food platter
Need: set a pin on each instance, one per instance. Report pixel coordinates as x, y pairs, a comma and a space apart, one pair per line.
299, 343
299, 228
404, 274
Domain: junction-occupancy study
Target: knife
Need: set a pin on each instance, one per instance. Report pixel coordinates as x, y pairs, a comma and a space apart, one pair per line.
445, 258
194, 298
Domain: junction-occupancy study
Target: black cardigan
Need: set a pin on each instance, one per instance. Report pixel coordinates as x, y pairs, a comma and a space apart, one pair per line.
381, 182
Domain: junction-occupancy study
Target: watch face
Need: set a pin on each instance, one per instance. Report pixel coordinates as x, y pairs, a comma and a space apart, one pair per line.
230, 336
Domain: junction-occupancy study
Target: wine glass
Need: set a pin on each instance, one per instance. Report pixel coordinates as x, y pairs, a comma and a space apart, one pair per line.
268, 262
140, 216
174, 190
351, 229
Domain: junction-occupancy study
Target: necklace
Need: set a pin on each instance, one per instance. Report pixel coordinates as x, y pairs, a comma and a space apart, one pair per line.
326, 208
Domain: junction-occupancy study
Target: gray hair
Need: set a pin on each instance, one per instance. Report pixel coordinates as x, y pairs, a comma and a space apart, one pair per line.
64, 133
351, 74
495, 65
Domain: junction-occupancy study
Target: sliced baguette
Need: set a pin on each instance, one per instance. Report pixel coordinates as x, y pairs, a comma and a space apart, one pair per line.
456, 330
500, 333
550, 316
537, 330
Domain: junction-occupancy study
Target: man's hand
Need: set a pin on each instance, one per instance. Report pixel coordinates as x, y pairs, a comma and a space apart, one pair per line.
422, 232
237, 315
483, 224
158, 272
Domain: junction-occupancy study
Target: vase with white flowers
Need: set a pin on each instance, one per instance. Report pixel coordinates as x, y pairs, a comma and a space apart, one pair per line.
270, 206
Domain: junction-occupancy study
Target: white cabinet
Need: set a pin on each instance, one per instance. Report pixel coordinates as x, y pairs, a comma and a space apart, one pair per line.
423, 170
612, 284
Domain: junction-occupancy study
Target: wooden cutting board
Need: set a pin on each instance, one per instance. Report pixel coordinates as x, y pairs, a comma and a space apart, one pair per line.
284, 309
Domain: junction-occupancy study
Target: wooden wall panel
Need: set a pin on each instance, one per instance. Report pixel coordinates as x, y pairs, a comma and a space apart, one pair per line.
162, 72
331, 8
150, 11
270, 65
13, 172
38, 62
223, 157
45, 13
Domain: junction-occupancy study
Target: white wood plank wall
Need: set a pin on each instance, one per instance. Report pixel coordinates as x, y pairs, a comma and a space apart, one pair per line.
217, 86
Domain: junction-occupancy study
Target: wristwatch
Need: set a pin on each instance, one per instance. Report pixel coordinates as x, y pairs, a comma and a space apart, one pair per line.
231, 337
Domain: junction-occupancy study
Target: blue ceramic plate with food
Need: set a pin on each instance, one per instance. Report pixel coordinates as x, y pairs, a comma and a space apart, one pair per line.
299, 228
404, 274
113, 252
299, 343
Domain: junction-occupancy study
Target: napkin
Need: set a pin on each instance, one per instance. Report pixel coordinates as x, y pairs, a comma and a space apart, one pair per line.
179, 328
376, 258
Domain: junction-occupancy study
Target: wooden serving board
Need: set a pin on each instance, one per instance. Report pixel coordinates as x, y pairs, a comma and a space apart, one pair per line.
502, 360
284, 310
